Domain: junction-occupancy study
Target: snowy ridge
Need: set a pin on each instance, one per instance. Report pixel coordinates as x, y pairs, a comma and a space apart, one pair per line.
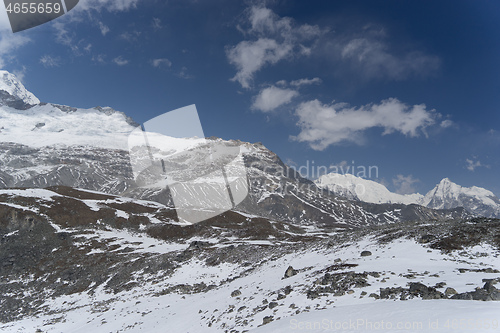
27, 121
356, 188
10, 84
445, 195
46, 125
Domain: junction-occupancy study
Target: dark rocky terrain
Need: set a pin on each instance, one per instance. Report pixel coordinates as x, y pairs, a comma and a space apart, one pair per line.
102, 249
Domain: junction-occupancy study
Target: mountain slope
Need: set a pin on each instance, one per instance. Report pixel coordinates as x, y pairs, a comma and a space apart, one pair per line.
52, 124
76, 260
279, 192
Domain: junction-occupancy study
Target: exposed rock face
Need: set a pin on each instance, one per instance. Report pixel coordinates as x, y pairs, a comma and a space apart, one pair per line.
290, 272
339, 284
488, 293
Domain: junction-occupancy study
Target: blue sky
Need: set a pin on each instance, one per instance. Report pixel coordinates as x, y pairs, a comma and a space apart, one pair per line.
411, 87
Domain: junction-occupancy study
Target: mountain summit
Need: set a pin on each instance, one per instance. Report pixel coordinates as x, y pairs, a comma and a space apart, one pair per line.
14, 94
475, 199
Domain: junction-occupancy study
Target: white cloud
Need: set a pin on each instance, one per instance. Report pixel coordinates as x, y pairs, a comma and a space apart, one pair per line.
306, 82
9, 43
341, 164
273, 97
62, 34
282, 83
20, 73
4, 20
447, 123
48, 61
324, 125
83, 12
99, 58
404, 184
366, 51
156, 23
493, 137
120, 61
66, 36
183, 74
275, 39
250, 57
371, 56
110, 5
161, 62
472, 165
104, 28
131, 37
290, 162
264, 21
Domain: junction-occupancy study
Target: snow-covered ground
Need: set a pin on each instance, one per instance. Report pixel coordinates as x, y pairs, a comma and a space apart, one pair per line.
389, 316
242, 296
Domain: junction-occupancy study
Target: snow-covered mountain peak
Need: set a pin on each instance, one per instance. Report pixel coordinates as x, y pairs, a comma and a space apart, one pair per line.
445, 195
445, 181
447, 188
356, 188
10, 84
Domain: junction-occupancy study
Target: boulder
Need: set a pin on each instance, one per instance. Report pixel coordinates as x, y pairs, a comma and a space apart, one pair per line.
290, 272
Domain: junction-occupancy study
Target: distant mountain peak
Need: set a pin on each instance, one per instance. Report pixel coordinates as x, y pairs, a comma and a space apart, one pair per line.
445, 195
447, 188
14, 94
356, 188
447, 182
